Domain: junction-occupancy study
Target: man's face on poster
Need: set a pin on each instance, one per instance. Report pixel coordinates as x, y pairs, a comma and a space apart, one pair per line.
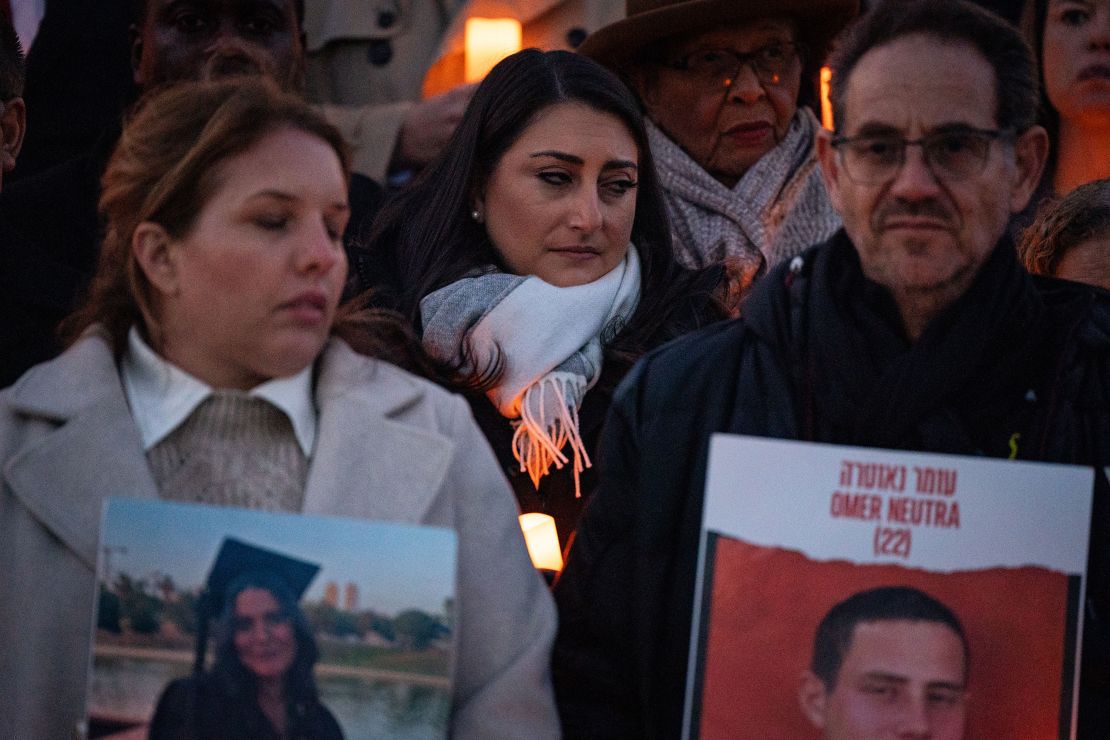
898, 680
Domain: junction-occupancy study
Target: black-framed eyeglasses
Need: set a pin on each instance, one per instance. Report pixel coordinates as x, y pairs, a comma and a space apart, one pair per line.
956, 154
717, 68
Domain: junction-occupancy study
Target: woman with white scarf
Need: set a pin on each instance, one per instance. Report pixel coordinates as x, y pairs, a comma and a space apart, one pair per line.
535, 258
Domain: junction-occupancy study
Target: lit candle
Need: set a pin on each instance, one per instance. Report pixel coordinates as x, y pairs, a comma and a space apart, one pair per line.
542, 541
488, 41
826, 104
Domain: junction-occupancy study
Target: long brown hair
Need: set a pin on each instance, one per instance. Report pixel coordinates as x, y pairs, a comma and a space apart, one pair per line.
165, 169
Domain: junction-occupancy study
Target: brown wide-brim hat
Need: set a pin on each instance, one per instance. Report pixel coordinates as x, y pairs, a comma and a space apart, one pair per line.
619, 44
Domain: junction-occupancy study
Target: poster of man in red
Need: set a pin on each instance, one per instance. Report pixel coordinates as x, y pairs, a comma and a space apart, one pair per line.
855, 593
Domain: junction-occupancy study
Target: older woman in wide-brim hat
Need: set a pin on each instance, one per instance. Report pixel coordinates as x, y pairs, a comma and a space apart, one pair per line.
720, 81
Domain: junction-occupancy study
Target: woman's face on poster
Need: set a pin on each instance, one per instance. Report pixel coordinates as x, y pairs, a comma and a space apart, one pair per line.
264, 638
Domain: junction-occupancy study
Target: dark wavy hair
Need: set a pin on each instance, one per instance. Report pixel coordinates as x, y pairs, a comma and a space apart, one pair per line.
1082, 215
299, 684
428, 239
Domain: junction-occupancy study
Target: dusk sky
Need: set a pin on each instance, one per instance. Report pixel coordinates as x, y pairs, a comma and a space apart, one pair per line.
395, 566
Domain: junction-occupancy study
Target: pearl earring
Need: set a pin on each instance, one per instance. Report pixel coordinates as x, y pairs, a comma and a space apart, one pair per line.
476, 215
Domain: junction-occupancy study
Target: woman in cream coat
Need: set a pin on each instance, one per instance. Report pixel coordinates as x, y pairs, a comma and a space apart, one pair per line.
225, 278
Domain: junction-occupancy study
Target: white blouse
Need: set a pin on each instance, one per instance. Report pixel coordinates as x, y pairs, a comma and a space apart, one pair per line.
162, 396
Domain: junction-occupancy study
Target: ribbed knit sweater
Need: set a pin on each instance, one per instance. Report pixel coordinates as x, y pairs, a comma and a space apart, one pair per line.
233, 450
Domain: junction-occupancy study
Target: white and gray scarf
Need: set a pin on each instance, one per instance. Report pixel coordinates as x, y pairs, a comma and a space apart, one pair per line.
777, 209
549, 341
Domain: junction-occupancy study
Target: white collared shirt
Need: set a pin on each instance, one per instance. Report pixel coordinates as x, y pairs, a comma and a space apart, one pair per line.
162, 396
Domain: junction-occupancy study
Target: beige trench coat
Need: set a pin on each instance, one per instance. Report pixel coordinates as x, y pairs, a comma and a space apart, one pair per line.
368, 59
389, 447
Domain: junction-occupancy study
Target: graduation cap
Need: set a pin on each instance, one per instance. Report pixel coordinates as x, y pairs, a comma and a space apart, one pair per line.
235, 560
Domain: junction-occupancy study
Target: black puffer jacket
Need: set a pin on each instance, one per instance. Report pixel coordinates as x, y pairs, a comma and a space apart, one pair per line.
818, 355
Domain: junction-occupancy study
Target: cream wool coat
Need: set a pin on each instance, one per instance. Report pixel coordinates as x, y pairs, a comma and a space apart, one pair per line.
389, 446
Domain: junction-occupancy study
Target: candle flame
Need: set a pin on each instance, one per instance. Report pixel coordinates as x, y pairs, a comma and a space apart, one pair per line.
488, 41
826, 104
542, 540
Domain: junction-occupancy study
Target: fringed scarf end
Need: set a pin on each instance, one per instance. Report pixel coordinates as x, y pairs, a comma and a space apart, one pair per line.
538, 442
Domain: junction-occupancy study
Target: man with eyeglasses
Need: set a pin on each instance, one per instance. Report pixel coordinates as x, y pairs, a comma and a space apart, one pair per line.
724, 86
926, 172
913, 328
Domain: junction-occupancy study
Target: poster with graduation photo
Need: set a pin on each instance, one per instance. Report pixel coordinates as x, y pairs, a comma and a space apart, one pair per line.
216, 622
847, 592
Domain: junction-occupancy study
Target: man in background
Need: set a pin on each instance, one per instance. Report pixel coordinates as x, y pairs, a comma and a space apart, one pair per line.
78, 75
21, 325
13, 111
55, 211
